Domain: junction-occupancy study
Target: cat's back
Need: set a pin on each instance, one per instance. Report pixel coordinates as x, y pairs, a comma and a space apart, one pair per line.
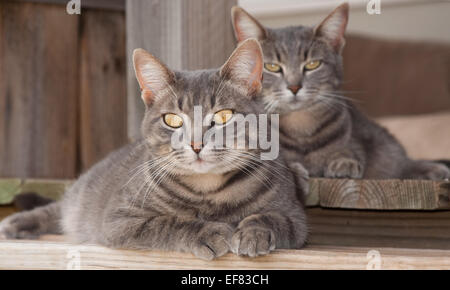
385, 157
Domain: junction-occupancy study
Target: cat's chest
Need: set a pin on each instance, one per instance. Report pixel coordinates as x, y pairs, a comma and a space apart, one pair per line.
224, 198
299, 124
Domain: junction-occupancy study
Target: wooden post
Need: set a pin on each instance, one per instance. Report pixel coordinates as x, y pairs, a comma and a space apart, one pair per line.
39, 86
185, 34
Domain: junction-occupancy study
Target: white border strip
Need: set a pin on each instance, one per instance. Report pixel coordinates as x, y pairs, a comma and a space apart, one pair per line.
264, 8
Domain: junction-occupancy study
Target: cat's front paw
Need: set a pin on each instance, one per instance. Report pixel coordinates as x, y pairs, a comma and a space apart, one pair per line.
213, 241
438, 172
344, 168
19, 226
253, 241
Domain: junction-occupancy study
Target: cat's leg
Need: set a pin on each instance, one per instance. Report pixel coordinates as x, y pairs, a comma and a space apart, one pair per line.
206, 240
423, 169
301, 176
343, 164
31, 224
259, 234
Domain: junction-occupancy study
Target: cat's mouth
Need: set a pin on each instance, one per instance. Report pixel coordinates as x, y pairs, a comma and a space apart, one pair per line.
200, 166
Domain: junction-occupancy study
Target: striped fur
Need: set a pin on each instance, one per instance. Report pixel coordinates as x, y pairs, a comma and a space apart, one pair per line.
319, 127
146, 195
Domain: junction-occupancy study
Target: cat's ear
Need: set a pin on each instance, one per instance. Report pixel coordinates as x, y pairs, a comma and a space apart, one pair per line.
332, 28
244, 68
153, 76
245, 26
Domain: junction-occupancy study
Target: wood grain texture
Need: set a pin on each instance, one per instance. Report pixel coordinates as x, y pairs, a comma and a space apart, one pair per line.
61, 255
368, 229
186, 35
38, 91
361, 228
381, 194
331, 193
103, 101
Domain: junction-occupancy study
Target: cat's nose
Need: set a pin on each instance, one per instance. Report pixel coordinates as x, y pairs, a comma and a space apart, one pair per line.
197, 146
294, 89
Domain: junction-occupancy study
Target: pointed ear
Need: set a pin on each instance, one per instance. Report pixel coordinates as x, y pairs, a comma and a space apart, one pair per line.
244, 68
245, 26
333, 27
153, 76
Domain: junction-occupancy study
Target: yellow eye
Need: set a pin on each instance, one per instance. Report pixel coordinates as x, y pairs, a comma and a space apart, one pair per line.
223, 116
272, 67
312, 64
173, 120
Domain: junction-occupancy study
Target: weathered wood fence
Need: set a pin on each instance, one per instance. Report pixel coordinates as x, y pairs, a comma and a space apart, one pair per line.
62, 87
64, 102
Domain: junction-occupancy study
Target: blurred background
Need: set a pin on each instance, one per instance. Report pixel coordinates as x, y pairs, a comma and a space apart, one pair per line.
68, 94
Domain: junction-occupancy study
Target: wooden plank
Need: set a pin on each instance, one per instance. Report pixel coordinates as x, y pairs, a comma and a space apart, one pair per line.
61, 255
186, 35
382, 194
99, 4
394, 229
38, 91
103, 102
327, 193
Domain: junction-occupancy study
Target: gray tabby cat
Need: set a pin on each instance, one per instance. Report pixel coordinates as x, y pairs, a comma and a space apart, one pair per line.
196, 199
319, 128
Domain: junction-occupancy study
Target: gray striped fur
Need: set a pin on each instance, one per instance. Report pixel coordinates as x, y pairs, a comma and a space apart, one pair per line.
319, 127
242, 205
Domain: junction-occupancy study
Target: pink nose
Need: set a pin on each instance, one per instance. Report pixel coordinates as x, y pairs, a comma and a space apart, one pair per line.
197, 146
294, 89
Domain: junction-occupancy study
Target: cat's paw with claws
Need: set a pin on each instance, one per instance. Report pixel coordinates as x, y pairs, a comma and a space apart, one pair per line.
253, 241
213, 241
344, 168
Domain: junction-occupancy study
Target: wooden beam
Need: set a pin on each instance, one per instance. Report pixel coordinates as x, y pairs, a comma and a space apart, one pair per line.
38, 91
381, 194
103, 102
365, 228
186, 35
327, 193
21, 254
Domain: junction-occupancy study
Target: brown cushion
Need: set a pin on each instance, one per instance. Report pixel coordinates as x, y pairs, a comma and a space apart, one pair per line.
424, 136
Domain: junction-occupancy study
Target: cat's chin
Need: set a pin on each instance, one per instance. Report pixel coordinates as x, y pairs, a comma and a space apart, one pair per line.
201, 167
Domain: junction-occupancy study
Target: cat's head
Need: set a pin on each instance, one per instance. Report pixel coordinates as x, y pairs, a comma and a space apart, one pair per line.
302, 65
172, 99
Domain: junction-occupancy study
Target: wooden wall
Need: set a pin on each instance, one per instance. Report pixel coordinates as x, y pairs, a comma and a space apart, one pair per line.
62, 88
185, 34
63, 91
389, 77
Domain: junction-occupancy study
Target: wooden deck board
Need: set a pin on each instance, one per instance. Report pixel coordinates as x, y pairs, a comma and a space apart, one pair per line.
45, 254
389, 194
